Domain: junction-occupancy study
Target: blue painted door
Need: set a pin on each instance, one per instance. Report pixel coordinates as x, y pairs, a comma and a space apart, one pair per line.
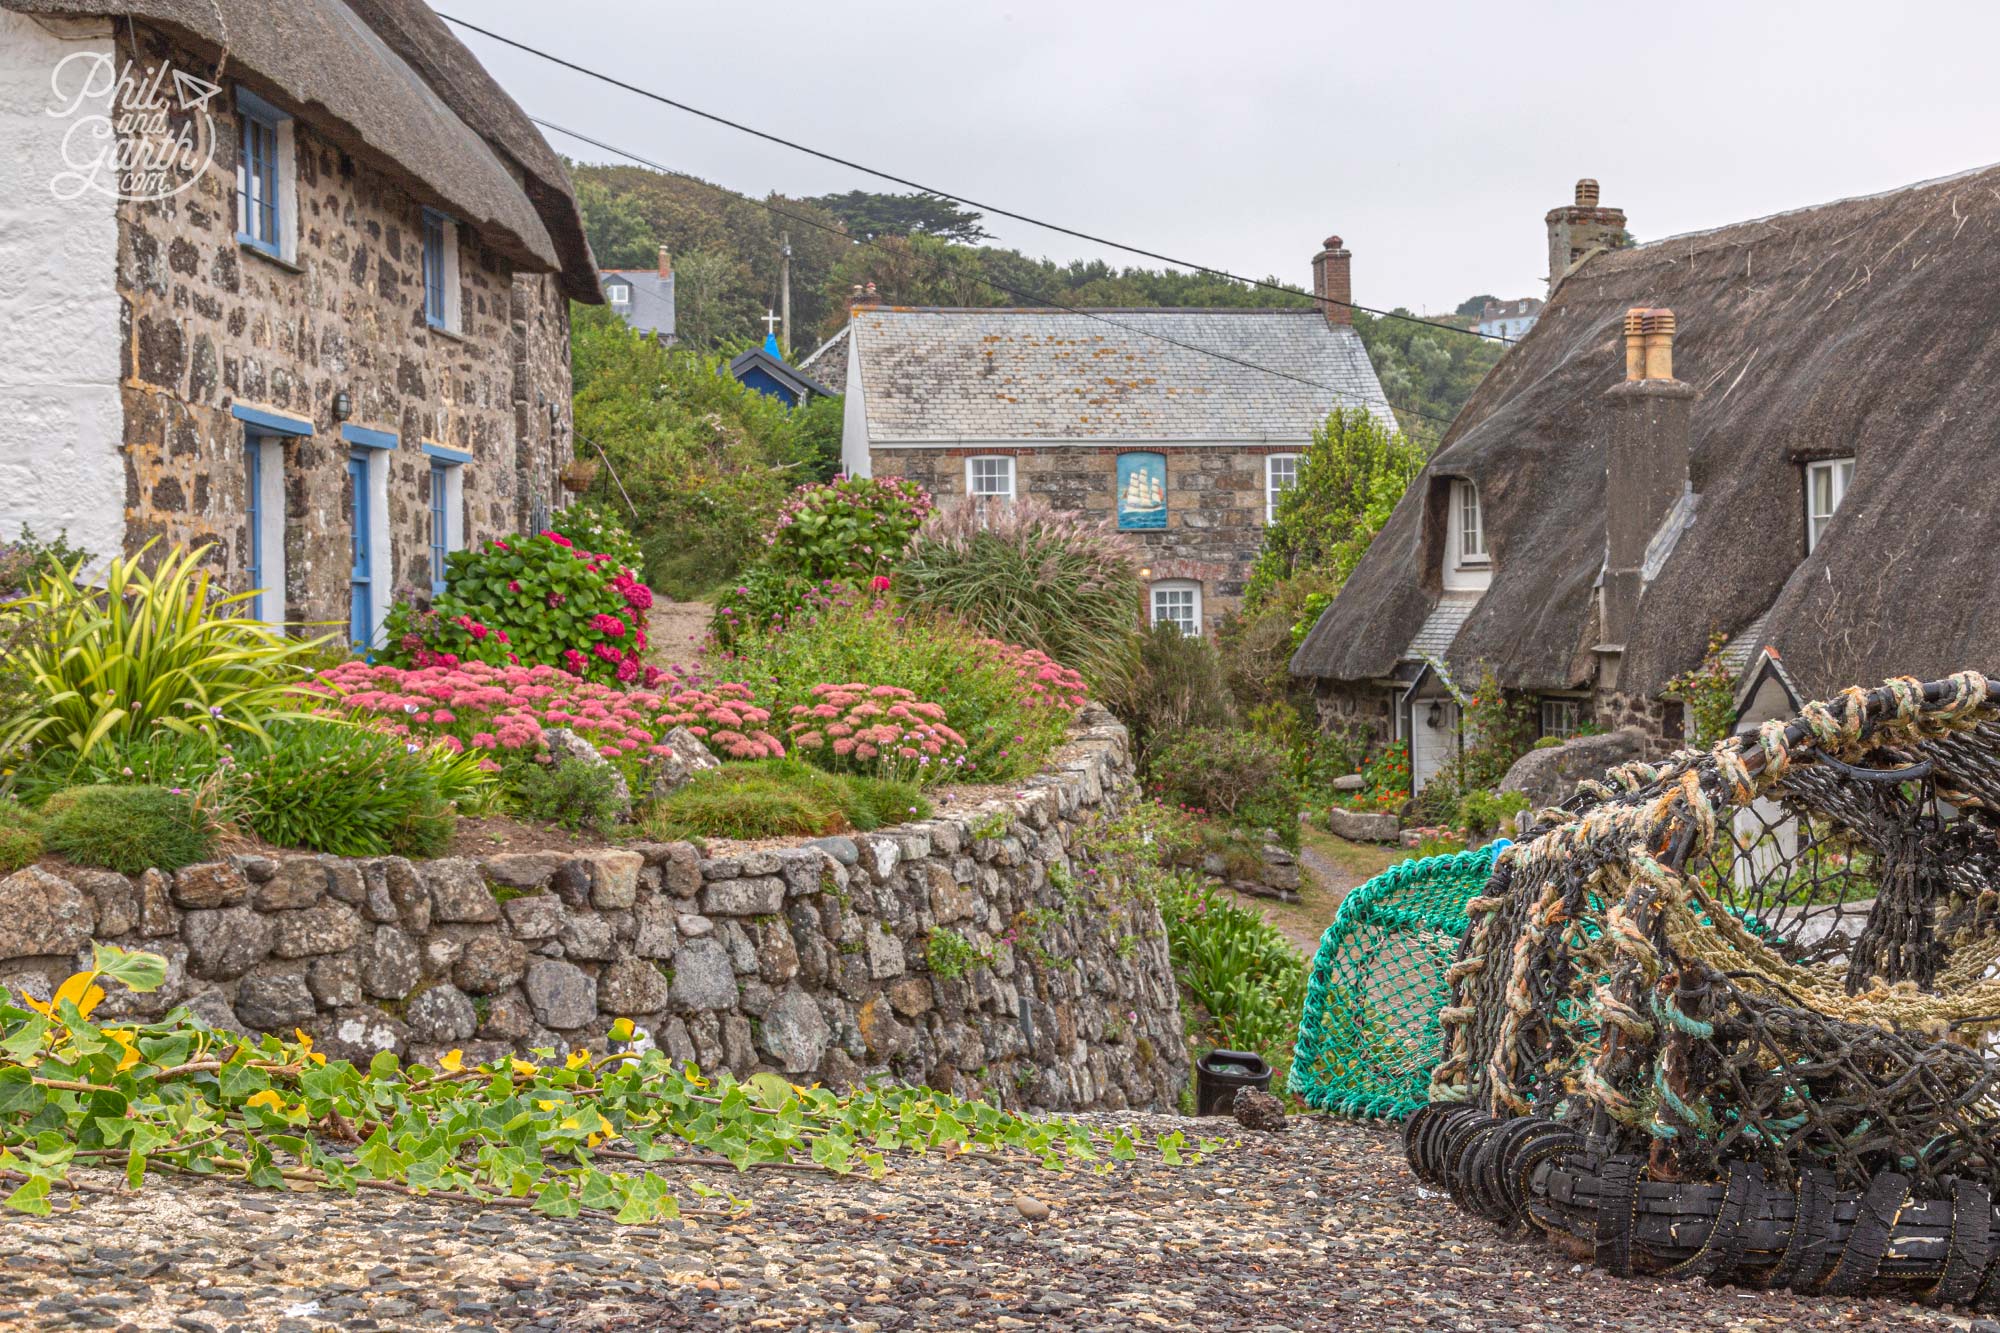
361, 626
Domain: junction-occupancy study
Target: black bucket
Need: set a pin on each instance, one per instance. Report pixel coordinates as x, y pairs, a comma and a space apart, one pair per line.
1219, 1074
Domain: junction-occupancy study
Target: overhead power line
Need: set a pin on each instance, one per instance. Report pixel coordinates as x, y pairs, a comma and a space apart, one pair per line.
1031, 298
994, 209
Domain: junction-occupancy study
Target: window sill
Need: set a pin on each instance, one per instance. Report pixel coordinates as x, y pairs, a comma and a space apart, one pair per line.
452, 334
251, 245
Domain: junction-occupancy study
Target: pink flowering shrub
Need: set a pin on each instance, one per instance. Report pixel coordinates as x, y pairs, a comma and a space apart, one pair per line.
502, 711
882, 731
530, 601
1010, 705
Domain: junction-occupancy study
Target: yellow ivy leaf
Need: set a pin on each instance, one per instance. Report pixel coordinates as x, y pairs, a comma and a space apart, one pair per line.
306, 1047
265, 1098
80, 990
622, 1030
577, 1060
452, 1061
123, 1036
525, 1068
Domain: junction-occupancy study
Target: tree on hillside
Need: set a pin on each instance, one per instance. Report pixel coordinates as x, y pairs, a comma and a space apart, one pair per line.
1474, 306
869, 216
618, 232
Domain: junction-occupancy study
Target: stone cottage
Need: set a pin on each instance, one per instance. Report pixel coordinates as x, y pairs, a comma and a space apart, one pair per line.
1771, 431
291, 280
1181, 426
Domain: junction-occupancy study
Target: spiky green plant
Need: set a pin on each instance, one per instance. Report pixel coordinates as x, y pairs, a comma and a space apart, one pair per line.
150, 648
1030, 574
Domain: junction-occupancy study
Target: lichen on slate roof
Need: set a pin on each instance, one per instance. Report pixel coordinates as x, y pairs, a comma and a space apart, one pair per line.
937, 374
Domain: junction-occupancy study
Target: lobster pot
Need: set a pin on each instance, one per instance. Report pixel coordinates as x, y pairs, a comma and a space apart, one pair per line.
1369, 1034
1728, 1015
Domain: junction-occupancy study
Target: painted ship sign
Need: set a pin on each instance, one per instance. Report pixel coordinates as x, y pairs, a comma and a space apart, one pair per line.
135, 133
1142, 490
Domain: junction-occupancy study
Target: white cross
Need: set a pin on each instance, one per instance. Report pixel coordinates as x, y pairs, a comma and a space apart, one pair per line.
770, 320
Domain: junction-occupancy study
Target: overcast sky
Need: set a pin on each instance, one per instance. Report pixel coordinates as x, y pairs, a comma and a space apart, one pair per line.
1432, 137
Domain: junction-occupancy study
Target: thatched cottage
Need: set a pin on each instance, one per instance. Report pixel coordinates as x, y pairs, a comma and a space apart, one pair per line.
1182, 427
1775, 431
292, 279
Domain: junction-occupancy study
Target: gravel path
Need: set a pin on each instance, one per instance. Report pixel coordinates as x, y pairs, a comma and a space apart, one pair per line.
1321, 1228
675, 630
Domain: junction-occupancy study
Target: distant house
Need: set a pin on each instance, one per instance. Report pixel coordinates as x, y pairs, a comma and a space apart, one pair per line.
328, 339
1181, 426
643, 297
764, 369
1777, 431
1509, 319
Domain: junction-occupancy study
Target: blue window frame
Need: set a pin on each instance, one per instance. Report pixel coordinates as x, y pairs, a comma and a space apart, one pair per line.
253, 511
440, 528
259, 216
360, 618
435, 309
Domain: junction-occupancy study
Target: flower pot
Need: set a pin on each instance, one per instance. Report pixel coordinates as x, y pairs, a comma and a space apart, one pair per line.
1219, 1074
578, 474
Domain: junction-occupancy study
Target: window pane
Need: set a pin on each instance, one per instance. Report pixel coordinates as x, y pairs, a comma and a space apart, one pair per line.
1472, 534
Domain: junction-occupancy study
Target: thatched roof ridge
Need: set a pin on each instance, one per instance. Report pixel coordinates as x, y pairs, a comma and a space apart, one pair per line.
388, 80
1859, 328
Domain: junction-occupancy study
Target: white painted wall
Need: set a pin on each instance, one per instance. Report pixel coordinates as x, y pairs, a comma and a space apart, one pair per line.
854, 416
61, 423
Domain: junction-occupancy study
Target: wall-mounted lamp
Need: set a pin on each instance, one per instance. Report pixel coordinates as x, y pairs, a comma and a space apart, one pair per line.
343, 406
1146, 573
1435, 718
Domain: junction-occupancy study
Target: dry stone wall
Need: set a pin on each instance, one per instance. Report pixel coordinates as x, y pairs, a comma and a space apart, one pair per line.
961, 952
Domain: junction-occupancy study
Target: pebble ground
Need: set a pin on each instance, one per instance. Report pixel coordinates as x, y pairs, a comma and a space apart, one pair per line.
1321, 1228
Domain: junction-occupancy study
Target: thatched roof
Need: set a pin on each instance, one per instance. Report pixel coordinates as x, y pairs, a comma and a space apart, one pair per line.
1861, 328
387, 80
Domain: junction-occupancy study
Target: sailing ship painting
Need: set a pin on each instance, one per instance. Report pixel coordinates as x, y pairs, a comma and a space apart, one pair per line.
1142, 490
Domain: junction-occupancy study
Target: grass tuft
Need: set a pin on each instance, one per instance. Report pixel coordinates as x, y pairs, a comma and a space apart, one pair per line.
779, 798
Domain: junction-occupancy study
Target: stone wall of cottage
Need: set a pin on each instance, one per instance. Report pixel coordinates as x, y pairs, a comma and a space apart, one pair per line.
1215, 501
209, 323
829, 960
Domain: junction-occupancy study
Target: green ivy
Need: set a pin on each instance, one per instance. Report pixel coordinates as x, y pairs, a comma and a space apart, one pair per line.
178, 1097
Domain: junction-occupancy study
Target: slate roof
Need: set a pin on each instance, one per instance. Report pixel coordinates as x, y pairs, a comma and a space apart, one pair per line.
652, 308
386, 80
941, 374
1861, 328
1440, 627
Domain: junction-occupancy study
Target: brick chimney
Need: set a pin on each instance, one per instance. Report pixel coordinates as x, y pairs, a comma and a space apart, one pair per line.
1646, 466
1333, 282
1581, 230
666, 263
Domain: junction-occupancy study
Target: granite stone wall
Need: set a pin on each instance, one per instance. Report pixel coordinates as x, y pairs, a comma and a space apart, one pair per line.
972, 951
208, 323
1215, 501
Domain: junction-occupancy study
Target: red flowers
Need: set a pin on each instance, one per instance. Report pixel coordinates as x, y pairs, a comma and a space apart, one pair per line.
880, 583
609, 626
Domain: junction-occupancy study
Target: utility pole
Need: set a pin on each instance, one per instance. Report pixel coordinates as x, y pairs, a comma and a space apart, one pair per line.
785, 290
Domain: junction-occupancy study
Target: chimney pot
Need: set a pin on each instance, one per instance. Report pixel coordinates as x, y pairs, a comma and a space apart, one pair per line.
1659, 325
1635, 343
666, 263
1586, 193
865, 297
1333, 283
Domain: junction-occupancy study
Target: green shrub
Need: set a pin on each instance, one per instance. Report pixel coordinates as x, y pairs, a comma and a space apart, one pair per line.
127, 829
576, 796
330, 787
850, 528
1029, 574
156, 759
149, 650
1178, 685
596, 528
1350, 478
1482, 811
1235, 776
993, 694
777, 798
20, 837
1241, 970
